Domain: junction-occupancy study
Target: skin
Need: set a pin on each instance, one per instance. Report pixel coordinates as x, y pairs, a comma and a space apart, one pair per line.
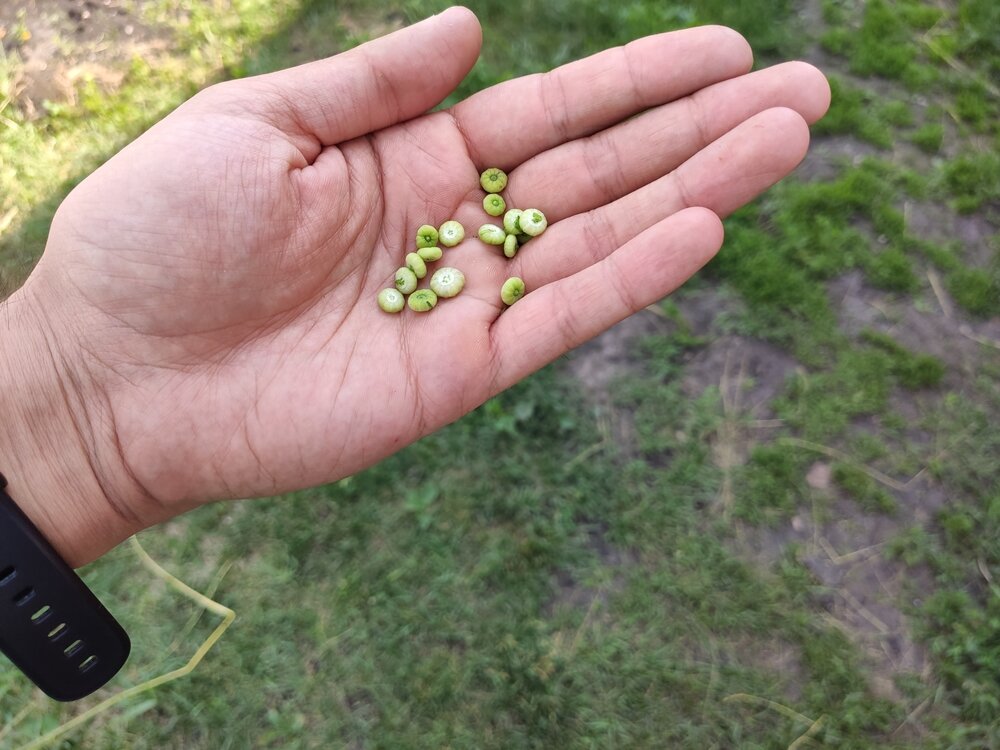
201, 324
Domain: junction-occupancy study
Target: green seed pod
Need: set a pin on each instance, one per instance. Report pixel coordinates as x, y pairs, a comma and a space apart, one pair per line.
510, 221
427, 236
493, 180
416, 264
494, 204
391, 300
491, 234
406, 280
510, 246
451, 233
511, 291
430, 254
447, 282
422, 300
532, 222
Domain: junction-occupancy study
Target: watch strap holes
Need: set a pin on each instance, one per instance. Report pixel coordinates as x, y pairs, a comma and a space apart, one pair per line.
41, 615
88, 663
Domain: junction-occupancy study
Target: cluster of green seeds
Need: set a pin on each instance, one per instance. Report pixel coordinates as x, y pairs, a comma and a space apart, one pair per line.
444, 282
518, 227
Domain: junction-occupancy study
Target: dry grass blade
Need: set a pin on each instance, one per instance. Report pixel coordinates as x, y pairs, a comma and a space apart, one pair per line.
942, 299
875, 474
808, 735
782, 709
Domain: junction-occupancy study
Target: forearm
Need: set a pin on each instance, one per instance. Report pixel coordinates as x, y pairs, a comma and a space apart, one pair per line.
47, 438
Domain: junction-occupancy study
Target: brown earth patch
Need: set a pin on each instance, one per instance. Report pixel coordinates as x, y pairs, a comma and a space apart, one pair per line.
605, 359
600, 362
750, 373
782, 661
934, 220
570, 593
930, 323
372, 24
61, 43
705, 310
827, 154
863, 592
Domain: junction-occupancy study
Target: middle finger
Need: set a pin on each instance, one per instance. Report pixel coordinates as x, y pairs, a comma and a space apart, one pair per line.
589, 172
721, 177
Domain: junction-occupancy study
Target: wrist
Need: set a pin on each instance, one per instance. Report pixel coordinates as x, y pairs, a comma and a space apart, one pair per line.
51, 436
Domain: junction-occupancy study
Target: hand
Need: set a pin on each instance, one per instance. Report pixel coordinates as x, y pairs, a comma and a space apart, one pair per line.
206, 302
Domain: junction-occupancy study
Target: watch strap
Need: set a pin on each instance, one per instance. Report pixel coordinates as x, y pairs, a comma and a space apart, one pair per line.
52, 627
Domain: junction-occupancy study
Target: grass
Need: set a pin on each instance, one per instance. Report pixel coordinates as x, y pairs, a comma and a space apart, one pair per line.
539, 584
863, 489
972, 180
43, 159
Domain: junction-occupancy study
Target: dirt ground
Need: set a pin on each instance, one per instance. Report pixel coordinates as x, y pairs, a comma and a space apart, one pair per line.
867, 592
67, 41
842, 547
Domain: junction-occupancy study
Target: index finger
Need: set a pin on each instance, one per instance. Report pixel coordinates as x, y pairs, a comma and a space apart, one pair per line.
515, 120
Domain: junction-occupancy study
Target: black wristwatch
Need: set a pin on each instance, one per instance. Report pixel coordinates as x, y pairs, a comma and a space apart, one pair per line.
51, 625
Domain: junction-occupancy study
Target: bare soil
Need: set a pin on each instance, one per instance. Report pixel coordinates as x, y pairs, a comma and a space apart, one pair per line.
68, 41
865, 592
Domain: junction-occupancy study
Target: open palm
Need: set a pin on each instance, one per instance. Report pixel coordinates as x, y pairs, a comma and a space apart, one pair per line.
219, 276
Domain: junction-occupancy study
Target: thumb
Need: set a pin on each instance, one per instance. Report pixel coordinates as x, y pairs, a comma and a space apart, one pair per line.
372, 86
